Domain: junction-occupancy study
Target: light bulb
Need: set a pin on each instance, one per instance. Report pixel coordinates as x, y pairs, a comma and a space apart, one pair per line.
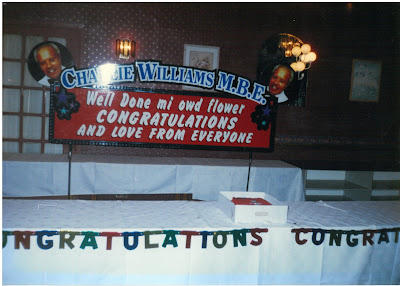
296, 51
305, 49
300, 66
310, 57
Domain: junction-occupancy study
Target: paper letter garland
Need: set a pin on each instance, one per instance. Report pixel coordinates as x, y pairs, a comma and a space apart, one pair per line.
352, 237
218, 239
131, 240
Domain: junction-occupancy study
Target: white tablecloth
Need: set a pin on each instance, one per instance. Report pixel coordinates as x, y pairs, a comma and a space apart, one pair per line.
39, 175
278, 259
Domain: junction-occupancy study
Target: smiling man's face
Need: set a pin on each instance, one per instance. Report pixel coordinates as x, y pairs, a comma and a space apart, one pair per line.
280, 79
49, 61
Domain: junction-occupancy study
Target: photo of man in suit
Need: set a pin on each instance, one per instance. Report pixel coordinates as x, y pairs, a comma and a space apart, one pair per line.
281, 77
47, 60
48, 57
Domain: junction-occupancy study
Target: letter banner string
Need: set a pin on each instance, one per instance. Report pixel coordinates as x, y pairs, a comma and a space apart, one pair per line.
131, 239
218, 239
351, 237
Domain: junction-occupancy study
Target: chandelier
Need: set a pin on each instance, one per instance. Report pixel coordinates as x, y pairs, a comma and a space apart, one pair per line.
293, 46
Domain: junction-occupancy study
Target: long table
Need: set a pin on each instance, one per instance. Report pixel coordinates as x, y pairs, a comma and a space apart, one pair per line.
30, 175
194, 242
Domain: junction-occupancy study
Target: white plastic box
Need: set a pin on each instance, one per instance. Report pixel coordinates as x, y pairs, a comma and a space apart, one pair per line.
274, 213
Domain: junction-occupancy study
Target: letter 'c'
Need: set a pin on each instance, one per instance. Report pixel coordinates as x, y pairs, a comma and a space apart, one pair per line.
297, 231
64, 78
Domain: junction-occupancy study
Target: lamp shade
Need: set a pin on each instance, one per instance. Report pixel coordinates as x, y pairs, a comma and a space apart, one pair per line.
125, 48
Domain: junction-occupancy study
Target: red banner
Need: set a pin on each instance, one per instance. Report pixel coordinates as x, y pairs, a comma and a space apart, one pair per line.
131, 117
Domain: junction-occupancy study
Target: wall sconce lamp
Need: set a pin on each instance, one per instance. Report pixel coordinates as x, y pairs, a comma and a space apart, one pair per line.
124, 49
304, 58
